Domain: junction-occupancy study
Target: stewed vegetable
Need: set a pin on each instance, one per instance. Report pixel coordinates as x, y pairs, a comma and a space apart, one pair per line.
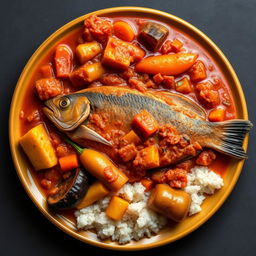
140, 97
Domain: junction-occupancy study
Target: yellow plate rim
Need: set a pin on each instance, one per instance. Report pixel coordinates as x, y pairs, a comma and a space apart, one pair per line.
18, 88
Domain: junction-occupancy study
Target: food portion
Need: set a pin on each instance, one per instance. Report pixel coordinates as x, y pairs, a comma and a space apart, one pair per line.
125, 125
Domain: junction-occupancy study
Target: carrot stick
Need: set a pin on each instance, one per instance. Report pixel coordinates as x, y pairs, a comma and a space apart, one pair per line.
68, 163
124, 31
172, 64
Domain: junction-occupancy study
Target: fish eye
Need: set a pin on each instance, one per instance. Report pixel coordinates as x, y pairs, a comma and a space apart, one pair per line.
64, 102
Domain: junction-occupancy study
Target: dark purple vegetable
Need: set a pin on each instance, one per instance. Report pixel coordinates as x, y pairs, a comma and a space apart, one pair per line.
70, 191
152, 35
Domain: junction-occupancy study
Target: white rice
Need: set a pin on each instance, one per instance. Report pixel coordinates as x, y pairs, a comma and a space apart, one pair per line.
139, 221
201, 181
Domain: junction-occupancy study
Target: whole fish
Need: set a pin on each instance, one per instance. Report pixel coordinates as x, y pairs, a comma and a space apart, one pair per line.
70, 114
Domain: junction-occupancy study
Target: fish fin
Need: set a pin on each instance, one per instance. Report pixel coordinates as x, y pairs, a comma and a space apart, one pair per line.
182, 103
83, 132
230, 137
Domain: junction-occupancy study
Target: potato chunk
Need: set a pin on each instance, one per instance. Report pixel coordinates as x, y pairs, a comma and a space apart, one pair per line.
87, 51
95, 192
87, 74
117, 208
37, 145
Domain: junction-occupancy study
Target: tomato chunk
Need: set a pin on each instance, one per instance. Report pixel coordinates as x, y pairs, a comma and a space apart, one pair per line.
63, 61
48, 88
145, 123
119, 54
198, 71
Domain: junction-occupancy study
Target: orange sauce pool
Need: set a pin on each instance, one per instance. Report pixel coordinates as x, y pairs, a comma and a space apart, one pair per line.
32, 103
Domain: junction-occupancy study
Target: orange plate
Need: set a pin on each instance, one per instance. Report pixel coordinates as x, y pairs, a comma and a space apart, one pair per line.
167, 235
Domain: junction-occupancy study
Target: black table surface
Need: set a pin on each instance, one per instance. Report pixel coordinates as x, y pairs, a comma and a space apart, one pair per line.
25, 25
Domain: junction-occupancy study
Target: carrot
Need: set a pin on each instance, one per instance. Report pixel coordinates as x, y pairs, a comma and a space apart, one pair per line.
47, 71
183, 85
63, 61
217, 115
148, 184
145, 123
172, 64
68, 163
124, 31
176, 45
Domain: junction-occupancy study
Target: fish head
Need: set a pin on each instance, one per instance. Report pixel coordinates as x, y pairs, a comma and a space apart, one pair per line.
67, 112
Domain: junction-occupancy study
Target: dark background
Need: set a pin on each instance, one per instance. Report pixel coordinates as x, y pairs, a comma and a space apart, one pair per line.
24, 25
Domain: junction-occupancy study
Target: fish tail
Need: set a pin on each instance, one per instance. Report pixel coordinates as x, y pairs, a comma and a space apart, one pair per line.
230, 137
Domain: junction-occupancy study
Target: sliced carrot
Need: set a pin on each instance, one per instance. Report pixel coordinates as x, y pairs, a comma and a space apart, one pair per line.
176, 45
124, 31
184, 85
147, 183
145, 123
68, 163
217, 115
170, 64
63, 61
47, 71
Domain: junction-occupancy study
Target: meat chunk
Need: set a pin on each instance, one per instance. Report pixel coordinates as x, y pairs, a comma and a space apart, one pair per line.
206, 158
158, 78
152, 35
112, 79
135, 83
128, 152
177, 178
119, 54
169, 82
147, 158
198, 71
48, 88
100, 29
207, 95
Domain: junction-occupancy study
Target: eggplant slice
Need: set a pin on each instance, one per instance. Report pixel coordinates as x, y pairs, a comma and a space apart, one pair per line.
71, 191
152, 35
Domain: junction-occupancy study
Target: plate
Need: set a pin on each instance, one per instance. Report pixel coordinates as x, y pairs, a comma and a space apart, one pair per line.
167, 235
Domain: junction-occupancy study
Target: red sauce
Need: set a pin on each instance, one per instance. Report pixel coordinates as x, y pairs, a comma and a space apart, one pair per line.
31, 112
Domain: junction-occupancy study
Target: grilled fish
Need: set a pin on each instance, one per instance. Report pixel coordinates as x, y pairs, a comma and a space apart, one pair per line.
70, 114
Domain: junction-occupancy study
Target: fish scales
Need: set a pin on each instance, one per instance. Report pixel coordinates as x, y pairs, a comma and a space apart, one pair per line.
70, 114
